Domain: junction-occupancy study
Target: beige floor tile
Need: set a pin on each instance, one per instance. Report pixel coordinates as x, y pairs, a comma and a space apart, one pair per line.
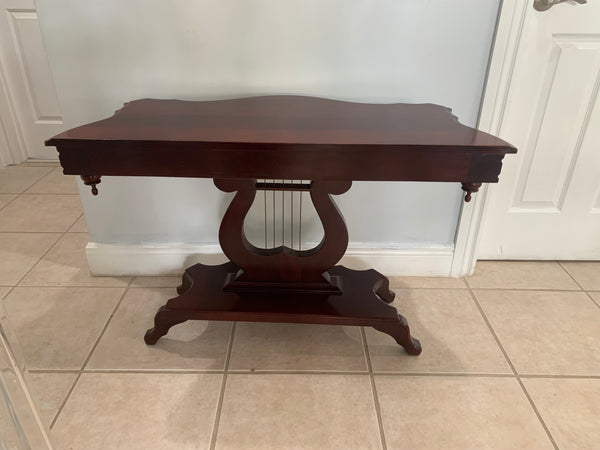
546, 332
596, 297
570, 409
156, 282
139, 411
298, 411
586, 273
521, 275
55, 183
198, 345
80, 226
66, 265
427, 282
288, 346
20, 251
15, 179
5, 199
457, 413
40, 212
452, 332
3, 291
50, 391
57, 327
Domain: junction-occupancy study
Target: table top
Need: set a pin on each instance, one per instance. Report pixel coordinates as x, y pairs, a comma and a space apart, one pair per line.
282, 136
285, 119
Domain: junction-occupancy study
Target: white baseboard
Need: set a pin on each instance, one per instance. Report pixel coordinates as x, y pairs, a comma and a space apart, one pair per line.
169, 259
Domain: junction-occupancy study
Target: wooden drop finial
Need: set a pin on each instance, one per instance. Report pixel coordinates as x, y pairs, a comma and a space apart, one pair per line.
92, 180
470, 188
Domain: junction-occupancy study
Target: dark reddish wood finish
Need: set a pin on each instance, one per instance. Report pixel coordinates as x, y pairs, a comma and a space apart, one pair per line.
283, 269
238, 141
202, 298
283, 137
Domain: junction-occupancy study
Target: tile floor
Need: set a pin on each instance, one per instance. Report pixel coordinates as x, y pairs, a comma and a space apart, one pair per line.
511, 355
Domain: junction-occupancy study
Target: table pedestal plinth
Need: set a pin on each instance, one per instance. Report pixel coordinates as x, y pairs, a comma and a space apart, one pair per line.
363, 302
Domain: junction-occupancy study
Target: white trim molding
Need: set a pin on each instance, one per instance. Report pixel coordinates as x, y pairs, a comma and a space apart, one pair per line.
502, 60
168, 259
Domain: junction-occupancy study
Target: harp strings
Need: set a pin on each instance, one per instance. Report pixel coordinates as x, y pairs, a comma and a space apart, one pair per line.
282, 212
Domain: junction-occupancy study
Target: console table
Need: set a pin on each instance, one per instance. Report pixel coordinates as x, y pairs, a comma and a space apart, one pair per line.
258, 143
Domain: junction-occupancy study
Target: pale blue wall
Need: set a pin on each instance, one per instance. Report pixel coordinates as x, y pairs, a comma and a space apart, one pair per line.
104, 53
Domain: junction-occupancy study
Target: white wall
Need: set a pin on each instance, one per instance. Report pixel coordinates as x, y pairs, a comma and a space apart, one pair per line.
104, 53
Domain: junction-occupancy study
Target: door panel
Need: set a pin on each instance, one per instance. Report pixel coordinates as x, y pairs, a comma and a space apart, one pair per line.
30, 83
545, 206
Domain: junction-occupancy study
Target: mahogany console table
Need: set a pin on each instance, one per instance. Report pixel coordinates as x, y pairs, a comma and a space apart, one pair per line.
241, 142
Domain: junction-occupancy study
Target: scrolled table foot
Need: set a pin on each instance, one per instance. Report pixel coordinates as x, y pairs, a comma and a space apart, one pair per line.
163, 321
186, 283
382, 289
401, 333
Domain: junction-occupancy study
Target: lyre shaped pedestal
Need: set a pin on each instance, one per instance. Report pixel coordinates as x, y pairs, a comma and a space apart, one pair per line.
282, 284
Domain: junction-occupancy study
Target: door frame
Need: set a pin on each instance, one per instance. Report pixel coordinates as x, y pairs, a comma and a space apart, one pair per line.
509, 27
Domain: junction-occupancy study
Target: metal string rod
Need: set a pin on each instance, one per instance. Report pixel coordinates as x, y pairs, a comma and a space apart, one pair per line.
273, 219
265, 199
292, 216
300, 222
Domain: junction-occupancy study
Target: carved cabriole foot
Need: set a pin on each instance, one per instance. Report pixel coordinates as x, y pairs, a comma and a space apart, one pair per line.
163, 321
401, 334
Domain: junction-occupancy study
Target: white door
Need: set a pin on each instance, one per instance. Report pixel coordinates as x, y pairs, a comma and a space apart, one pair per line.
29, 106
547, 204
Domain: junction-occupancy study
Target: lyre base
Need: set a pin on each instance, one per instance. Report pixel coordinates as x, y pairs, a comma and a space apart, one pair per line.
331, 285
363, 302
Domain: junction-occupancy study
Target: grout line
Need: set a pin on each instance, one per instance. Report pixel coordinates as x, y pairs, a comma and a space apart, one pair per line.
47, 193
36, 181
561, 377
569, 274
445, 374
363, 340
574, 280
112, 314
523, 289
76, 286
580, 286
484, 289
592, 299
374, 390
295, 372
64, 402
215, 430
10, 201
76, 220
30, 269
66, 399
64, 371
32, 232
512, 367
537, 413
316, 372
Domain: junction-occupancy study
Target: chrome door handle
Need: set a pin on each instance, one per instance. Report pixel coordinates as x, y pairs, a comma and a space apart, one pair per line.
544, 5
